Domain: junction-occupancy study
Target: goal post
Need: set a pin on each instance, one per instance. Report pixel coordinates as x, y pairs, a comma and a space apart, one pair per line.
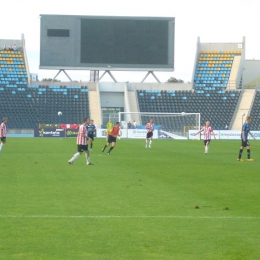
168, 125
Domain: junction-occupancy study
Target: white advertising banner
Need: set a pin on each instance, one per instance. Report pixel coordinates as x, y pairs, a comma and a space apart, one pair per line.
201, 135
140, 133
230, 134
192, 135
101, 133
225, 135
256, 135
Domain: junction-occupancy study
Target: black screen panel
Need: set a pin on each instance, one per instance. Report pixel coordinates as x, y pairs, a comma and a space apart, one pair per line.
58, 33
124, 42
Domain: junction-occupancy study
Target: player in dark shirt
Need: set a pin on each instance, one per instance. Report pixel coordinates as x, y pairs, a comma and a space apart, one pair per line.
91, 129
244, 140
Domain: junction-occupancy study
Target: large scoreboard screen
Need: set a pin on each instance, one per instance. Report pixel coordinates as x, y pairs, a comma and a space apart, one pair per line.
102, 42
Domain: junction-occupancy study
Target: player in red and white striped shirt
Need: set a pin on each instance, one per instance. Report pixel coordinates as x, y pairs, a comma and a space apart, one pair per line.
3, 133
82, 143
150, 128
207, 131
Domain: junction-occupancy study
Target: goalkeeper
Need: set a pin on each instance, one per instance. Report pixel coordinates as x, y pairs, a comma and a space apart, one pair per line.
109, 127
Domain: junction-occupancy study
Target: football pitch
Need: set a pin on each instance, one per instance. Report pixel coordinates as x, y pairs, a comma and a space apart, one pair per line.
168, 202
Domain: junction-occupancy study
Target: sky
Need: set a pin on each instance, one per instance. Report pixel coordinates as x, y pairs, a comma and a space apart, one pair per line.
211, 20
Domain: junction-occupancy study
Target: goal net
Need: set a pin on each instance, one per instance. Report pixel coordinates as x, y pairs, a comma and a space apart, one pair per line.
167, 125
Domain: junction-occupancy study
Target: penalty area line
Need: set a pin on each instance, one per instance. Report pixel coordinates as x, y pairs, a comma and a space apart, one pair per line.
122, 217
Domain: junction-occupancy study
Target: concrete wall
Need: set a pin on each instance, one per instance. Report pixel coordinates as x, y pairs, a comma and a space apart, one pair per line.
7, 42
252, 71
112, 99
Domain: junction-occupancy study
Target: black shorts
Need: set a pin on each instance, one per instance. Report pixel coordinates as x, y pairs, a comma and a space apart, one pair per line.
245, 143
149, 135
111, 139
206, 142
3, 139
82, 148
91, 136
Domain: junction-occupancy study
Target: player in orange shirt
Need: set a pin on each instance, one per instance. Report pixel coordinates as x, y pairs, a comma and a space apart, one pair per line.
114, 132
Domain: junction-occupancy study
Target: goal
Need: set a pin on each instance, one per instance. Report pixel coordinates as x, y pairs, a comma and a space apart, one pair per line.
166, 123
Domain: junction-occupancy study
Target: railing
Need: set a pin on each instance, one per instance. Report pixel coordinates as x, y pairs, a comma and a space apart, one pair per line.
231, 84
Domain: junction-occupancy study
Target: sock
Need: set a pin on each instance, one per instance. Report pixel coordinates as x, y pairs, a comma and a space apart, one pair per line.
91, 145
240, 153
150, 143
87, 158
74, 157
105, 147
111, 148
248, 153
1, 146
146, 142
207, 149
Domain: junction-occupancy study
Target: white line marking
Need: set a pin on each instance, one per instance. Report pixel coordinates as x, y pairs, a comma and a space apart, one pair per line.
106, 217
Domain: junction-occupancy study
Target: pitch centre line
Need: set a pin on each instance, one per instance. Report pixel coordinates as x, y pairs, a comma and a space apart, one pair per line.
122, 217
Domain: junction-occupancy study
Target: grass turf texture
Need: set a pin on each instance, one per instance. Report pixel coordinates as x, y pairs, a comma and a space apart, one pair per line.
136, 203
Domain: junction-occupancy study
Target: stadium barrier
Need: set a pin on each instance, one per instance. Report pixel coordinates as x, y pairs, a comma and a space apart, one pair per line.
223, 135
141, 134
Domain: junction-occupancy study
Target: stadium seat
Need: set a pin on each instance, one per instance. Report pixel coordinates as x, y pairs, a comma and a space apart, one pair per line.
218, 105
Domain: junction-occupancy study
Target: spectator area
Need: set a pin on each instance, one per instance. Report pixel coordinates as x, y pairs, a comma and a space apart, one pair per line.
255, 112
28, 106
12, 69
213, 68
218, 106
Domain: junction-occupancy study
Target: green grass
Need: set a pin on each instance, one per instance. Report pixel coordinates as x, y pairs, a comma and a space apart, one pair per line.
135, 204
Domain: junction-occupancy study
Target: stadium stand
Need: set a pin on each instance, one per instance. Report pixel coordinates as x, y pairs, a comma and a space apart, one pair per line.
32, 105
215, 105
27, 106
213, 68
12, 69
255, 112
